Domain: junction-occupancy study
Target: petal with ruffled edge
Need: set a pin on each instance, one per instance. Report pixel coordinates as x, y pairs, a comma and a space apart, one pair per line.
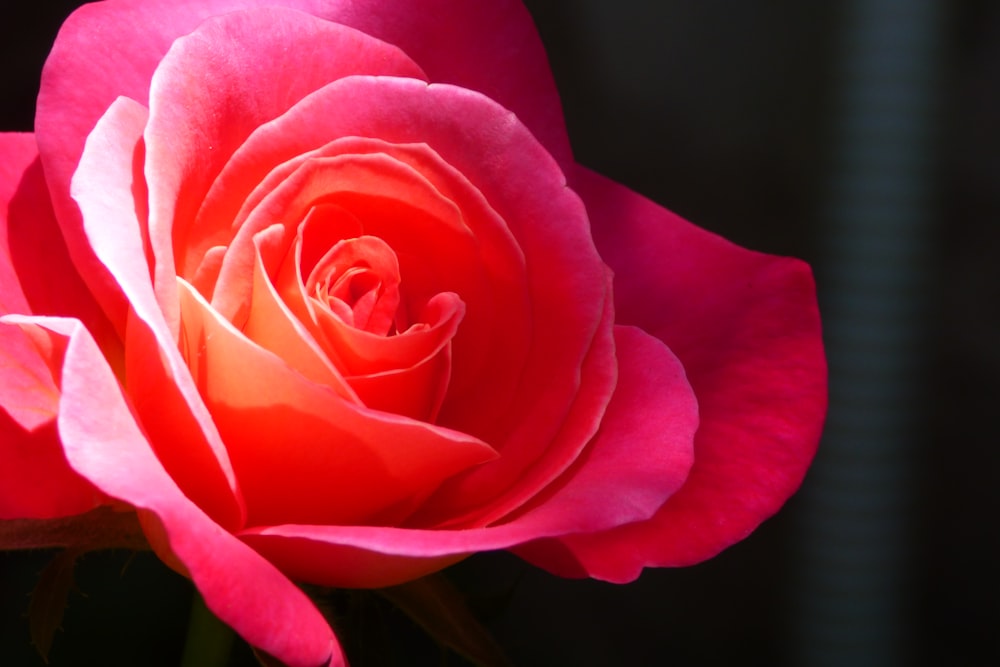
465, 247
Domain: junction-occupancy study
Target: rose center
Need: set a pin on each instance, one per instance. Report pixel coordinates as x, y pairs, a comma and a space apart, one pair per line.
358, 281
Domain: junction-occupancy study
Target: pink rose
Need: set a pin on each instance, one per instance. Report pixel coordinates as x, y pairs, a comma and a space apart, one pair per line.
317, 290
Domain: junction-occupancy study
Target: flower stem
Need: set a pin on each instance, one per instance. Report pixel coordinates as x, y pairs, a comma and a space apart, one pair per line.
209, 640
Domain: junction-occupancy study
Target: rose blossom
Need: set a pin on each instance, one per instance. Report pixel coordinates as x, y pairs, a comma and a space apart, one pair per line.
317, 290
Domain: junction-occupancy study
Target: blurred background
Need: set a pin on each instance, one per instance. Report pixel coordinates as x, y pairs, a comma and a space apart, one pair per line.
862, 136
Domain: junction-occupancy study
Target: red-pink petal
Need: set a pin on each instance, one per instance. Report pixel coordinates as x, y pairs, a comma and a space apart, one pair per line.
491, 47
454, 41
271, 325
746, 327
17, 171
160, 385
28, 392
103, 443
447, 238
36, 482
36, 275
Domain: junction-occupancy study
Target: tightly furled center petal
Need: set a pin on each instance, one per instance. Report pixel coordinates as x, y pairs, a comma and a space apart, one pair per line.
357, 280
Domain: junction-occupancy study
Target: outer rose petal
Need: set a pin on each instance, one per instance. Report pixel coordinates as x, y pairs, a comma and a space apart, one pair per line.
35, 480
103, 442
35, 276
746, 327
27, 391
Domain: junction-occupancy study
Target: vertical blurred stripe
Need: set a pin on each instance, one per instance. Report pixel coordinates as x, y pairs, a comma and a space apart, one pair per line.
856, 541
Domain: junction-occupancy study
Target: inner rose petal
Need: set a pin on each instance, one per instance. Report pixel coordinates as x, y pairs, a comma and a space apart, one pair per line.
390, 199
405, 374
358, 280
271, 325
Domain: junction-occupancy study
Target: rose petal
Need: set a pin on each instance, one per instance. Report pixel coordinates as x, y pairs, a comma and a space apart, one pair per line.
301, 452
36, 482
468, 44
36, 277
21, 180
271, 325
390, 200
640, 457
597, 377
746, 328
103, 443
358, 280
160, 386
28, 392
415, 392
413, 385
481, 39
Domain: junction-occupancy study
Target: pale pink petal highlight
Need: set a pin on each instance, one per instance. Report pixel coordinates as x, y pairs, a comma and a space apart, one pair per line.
160, 384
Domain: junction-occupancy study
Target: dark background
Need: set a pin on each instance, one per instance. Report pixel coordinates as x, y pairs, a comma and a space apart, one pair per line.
739, 117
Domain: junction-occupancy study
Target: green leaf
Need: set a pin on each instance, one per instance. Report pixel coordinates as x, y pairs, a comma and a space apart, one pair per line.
441, 610
48, 600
